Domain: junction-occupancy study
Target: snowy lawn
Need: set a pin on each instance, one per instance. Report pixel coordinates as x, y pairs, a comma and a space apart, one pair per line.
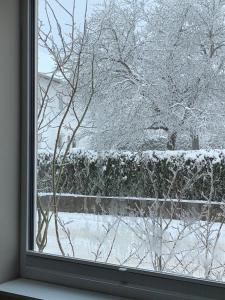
188, 247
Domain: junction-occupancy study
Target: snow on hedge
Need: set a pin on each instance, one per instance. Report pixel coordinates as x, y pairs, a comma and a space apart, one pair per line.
162, 174
216, 155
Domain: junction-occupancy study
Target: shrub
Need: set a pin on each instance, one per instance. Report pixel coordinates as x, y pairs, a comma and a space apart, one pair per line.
171, 174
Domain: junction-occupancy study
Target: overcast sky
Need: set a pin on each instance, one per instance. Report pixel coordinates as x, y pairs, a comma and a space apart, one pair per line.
44, 63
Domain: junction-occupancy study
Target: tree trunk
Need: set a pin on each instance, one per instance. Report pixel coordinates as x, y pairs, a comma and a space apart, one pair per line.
171, 144
195, 142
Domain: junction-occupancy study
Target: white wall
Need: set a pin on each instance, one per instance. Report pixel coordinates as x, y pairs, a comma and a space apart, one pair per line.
9, 138
52, 114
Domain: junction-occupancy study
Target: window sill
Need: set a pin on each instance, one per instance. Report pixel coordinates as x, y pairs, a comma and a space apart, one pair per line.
45, 291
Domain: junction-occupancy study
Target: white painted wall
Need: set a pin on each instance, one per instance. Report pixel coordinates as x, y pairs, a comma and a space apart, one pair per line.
9, 138
51, 116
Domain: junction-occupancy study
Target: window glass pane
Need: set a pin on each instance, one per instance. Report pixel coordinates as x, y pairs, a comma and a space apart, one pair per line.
130, 133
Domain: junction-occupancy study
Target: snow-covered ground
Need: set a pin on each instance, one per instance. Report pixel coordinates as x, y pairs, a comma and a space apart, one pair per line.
188, 247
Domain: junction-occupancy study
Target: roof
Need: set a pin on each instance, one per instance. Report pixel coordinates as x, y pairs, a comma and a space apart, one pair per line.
48, 77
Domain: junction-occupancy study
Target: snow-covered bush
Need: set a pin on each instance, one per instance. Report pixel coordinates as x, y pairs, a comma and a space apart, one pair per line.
171, 174
184, 237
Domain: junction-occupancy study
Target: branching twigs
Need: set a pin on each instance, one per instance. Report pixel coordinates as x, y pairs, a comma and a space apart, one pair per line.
43, 224
107, 231
66, 231
107, 51
62, 51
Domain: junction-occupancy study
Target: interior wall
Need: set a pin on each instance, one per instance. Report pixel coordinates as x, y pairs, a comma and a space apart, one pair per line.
9, 138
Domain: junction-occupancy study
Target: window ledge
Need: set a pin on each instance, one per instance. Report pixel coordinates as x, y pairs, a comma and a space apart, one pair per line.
46, 291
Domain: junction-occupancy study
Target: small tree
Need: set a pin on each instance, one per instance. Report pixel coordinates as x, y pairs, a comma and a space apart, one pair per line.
75, 65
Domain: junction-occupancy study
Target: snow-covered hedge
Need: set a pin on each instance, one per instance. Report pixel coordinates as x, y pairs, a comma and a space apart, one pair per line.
171, 174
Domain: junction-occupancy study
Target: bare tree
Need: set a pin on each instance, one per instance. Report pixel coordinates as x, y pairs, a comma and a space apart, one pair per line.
72, 57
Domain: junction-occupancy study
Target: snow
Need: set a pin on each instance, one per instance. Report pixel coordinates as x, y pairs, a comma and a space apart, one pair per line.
179, 88
138, 242
190, 247
216, 155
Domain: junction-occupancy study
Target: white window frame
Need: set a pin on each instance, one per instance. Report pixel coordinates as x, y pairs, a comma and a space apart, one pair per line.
136, 284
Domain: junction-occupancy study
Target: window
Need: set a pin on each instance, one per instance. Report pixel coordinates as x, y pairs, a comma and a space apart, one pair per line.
137, 202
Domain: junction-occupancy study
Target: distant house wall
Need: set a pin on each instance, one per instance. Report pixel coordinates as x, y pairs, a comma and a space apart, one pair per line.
51, 116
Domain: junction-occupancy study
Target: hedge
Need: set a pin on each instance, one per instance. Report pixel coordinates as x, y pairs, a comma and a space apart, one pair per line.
152, 174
